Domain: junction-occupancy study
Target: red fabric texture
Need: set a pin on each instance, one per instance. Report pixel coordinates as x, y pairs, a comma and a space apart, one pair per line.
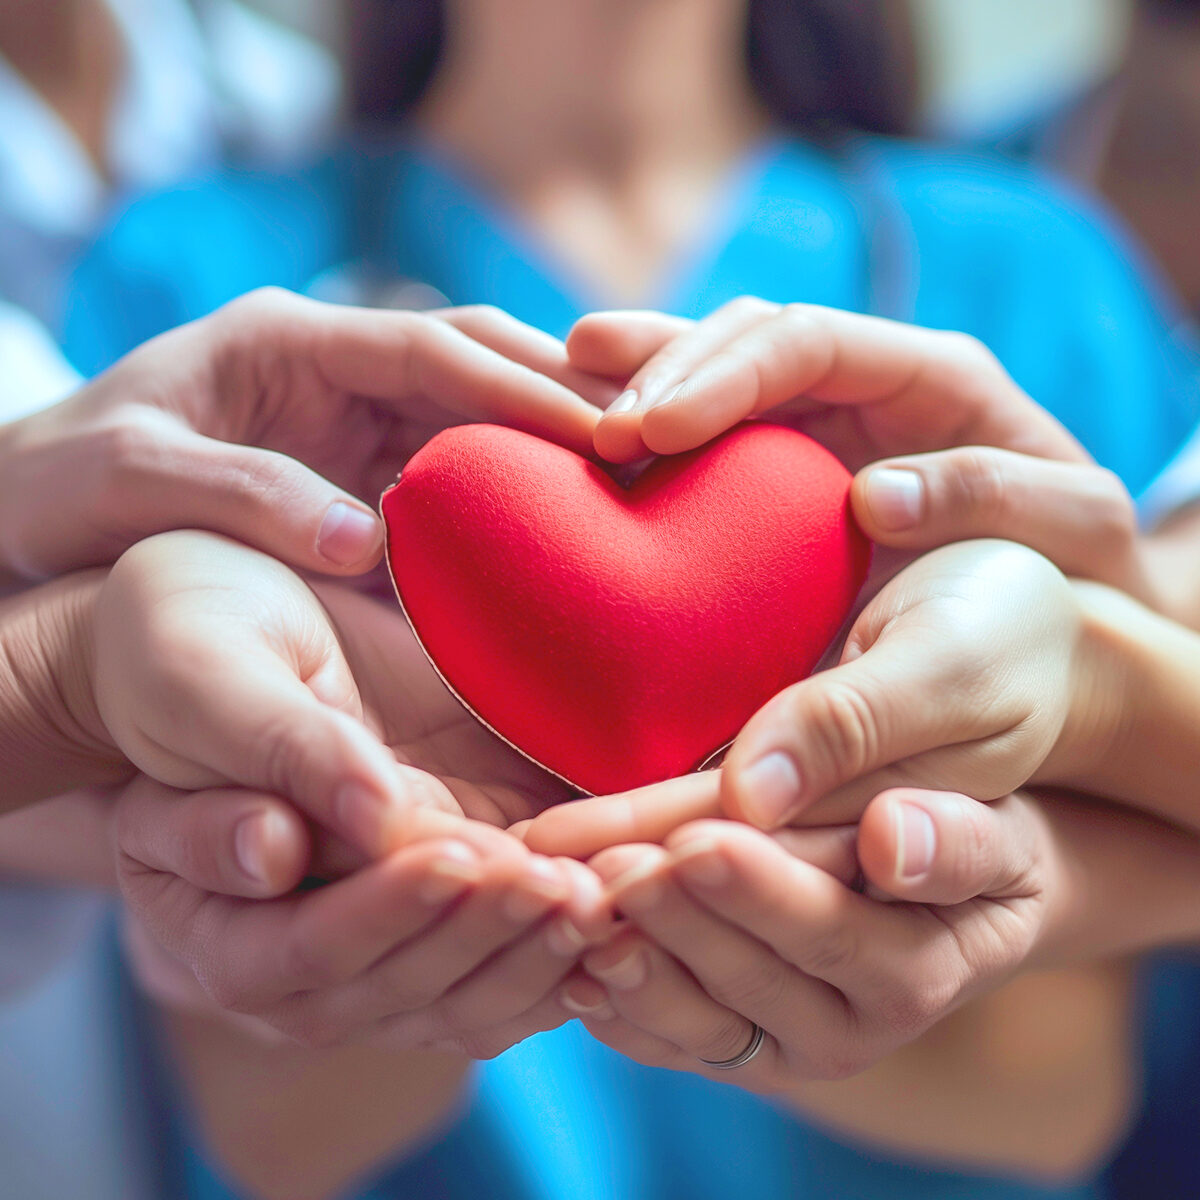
620, 637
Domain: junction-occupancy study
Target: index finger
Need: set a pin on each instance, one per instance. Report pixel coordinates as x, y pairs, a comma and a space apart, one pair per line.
928, 389
581, 828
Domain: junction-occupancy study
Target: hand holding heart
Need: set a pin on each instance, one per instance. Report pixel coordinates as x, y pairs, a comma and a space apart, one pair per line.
225, 425
979, 458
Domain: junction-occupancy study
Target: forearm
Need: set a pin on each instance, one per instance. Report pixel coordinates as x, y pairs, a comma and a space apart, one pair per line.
1134, 732
52, 740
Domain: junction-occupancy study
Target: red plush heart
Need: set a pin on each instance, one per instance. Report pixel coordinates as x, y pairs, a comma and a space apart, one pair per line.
619, 637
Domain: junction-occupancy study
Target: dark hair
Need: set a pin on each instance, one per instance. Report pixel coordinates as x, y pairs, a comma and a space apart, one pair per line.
814, 63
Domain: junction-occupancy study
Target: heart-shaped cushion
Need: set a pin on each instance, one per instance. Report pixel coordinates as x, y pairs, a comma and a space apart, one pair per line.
622, 636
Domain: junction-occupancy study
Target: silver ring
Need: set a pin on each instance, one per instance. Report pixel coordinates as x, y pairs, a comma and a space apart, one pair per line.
740, 1060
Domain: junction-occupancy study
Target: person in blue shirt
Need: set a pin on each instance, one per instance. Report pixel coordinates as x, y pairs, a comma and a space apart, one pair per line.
555, 159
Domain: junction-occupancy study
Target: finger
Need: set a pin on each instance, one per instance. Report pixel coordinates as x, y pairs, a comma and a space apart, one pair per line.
926, 383
831, 849
401, 1032
532, 348
808, 919
615, 344
397, 356
941, 848
634, 1043
148, 473
739, 970
620, 434
235, 842
511, 983
1078, 515
581, 828
417, 973
893, 702
250, 955
648, 988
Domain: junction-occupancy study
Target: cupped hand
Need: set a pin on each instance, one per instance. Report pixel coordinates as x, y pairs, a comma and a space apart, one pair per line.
215, 665
974, 670
726, 928
458, 939
865, 387
278, 421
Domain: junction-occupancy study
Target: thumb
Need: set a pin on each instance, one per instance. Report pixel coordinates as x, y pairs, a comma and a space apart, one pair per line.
234, 842
265, 499
944, 848
886, 705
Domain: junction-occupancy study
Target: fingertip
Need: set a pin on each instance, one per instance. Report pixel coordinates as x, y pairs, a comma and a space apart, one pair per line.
766, 792
271, 847
350, 538
888, 500
617, 437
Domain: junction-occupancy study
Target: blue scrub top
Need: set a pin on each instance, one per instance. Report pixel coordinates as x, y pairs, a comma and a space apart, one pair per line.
953, 241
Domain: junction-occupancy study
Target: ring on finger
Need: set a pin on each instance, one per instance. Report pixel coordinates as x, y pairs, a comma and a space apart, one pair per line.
757, 1036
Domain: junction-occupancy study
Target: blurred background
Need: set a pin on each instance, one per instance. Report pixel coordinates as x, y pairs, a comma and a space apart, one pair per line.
986, 62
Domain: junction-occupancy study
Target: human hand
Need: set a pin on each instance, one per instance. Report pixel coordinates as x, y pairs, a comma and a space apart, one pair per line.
272, 421
727, 929
973, 670
864, 387
456, 940
215, 665
947, 447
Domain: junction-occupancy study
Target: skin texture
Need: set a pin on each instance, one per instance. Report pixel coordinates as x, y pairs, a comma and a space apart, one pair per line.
223, 425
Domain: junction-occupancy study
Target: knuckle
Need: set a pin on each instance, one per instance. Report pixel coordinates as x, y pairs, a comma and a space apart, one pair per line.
267, 302
843, 724
753, 987
748, 307
979, 487
833, 953
967, 351
1114, 515
481, 317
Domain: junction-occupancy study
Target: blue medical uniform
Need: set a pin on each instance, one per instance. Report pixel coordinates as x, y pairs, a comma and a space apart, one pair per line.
961, 242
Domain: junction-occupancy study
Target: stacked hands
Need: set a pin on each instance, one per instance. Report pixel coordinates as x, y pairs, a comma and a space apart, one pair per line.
837, 883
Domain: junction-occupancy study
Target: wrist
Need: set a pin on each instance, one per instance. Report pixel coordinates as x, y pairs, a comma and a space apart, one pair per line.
52, 739
1099, 730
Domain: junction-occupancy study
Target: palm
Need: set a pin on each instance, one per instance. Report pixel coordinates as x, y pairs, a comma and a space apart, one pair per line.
417, 716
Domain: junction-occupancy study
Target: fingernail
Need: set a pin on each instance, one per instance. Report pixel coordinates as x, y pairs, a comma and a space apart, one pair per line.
772, 789
251, 839
895, 497
348, 534
624, 403
662, 400
450, 874
360, 814
701, 862
564, 939
625, 975
916, 841
584, 1006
